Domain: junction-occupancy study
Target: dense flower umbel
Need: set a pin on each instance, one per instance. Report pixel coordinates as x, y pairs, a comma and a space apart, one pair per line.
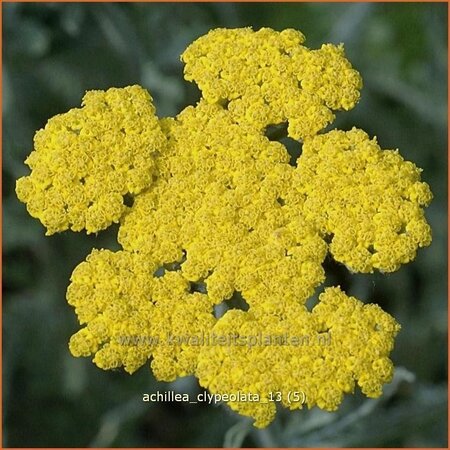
268, 77
87, 159
225, 200
218, 209
370, 200
361, 338
129, 313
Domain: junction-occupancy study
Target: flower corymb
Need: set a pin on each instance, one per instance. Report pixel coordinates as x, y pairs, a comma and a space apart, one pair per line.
87, 159
268, 77
223, 216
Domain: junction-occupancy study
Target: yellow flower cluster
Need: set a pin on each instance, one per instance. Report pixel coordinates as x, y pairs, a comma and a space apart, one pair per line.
219, 210
86, 160
224, 200
129, 313
369, 200
267, 77
340, 343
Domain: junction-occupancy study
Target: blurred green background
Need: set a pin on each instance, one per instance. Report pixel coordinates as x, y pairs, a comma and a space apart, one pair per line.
52, 54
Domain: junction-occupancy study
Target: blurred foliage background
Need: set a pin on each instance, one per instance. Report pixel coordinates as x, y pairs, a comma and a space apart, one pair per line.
52, 54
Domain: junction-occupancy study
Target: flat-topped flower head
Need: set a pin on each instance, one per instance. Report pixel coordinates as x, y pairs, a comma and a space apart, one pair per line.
222, 214
86, 160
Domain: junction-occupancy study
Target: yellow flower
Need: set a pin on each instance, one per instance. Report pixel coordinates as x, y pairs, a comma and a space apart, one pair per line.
86, 160
220, 210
